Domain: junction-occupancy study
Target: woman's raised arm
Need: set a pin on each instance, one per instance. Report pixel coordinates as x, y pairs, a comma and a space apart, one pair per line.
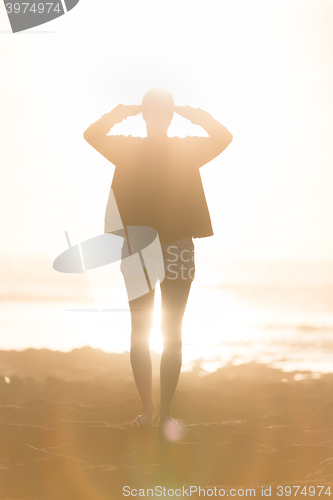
216, 131
96, 133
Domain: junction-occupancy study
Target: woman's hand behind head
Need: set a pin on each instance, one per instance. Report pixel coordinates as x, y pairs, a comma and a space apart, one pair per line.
122, 111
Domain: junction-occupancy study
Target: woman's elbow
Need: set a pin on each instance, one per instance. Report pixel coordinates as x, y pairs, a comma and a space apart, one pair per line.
88, 136
226, 140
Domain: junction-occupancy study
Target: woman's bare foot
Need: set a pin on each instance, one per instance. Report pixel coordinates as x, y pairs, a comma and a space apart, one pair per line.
165, 417
171, 429
146, 418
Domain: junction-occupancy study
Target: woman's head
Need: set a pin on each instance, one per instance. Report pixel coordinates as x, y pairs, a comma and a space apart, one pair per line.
157, 109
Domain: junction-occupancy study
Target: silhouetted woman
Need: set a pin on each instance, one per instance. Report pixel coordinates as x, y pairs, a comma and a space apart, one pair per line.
157, 184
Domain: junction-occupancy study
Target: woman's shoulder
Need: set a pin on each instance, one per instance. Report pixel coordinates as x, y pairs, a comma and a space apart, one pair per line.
187, 140
126, 138
121, 149
125, 142
187, 144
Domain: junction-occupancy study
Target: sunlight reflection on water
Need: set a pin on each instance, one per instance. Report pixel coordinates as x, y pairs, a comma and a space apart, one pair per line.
220, 327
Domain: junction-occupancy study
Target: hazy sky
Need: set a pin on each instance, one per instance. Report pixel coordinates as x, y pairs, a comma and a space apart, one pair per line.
264, 69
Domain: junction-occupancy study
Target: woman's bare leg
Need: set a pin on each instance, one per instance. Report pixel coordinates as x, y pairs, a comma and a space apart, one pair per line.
174, 299
142, 321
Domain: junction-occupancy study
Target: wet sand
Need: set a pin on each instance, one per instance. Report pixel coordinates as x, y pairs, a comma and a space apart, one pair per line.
67, 431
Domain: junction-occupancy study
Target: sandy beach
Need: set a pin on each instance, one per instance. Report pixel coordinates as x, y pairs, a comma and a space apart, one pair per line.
67, 432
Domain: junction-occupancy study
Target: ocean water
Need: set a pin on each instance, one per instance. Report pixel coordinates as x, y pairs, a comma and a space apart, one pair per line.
285, 323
